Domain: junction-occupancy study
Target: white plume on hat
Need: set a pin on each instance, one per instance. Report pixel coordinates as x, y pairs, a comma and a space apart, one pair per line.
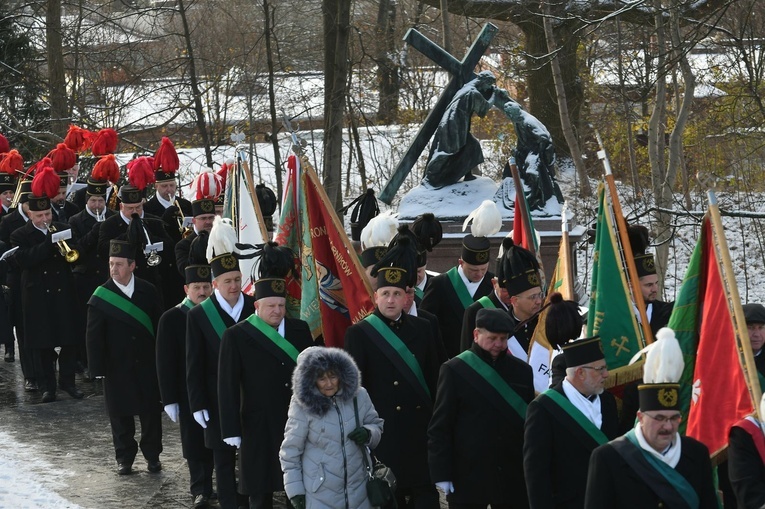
664, 359
222, 240
487, 220
380, 230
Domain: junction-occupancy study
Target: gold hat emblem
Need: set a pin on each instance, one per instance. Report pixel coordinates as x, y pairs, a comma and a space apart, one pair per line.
380, 252
99, 190
42, 203
667, 397
649, 264
207, 206
203, 272
534, 279
482, 256
228, 262
114, 249
393, 276
277, 286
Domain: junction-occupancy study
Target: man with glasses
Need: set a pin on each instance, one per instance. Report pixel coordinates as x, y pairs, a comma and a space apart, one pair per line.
652, 465
564, 425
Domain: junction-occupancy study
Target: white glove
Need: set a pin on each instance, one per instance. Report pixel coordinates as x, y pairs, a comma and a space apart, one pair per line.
445, 486
233, 441
202, 416
172, 411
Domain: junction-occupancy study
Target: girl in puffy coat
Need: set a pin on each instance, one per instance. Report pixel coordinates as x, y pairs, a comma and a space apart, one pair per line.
321, 454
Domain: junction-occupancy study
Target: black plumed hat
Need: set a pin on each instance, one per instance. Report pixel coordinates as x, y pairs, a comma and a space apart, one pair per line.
401, 253
563, 321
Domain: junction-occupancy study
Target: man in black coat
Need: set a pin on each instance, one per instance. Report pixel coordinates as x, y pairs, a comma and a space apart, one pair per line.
481, 385
46, 286
746, 461
205, 325
564, 425
171, 372
203, 215
259, 352
401, 388
122, 319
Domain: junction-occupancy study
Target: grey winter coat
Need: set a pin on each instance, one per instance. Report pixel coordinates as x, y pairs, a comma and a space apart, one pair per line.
318, 459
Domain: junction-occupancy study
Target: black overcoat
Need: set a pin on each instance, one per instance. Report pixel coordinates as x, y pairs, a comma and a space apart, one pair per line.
47, 289
468, 319
555, 458
613, 484
441, 300
202, 349
123, 352
70, 209
475, 438
746, 469
249, 362
397, 400
660, 313
182, 248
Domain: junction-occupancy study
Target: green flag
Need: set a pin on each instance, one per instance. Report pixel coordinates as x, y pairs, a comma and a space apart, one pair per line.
612, 314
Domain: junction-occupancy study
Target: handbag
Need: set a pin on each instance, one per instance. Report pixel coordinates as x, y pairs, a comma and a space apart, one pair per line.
381, 483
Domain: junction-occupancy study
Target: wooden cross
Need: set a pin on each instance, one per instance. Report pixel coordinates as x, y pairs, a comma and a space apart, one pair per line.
462, 72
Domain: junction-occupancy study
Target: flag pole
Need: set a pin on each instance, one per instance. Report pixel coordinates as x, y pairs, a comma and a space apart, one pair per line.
566, 262
251, 191
637, 294
742, 333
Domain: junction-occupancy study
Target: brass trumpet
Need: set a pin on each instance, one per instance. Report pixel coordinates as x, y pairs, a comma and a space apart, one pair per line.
69, 254
185, 231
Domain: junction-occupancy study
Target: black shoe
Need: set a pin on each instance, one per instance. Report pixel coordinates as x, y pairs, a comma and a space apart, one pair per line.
201, 501
79, 368
49, 397
9, 357
124, 468
73, 391
154, 466
30, 386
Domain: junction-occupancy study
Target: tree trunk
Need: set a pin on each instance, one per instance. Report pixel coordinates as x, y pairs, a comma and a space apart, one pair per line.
56, 78
199, 111
267, 17
389, 82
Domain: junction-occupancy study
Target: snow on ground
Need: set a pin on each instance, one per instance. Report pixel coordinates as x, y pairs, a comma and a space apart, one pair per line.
26, 480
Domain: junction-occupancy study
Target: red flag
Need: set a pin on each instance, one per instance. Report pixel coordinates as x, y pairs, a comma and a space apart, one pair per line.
344, 293
720, 396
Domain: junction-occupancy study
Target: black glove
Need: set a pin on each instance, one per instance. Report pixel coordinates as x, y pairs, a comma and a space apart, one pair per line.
298, 502
360, 435
170, 214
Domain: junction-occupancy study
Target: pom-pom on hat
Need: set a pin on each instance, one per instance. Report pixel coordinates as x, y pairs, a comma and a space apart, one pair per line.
223, 174
661, 372
517, 269
484, 221
104, 142
376, 236
205, 188
365, 207
166, 161
78, 139
401, 253
563, 321
11, 166
4, 145
221, 248
62, 157
140, 175
276, 263
44, 187
105, 170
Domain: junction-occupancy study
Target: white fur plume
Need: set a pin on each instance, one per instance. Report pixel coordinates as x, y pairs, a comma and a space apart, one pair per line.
664, 361
487, 220
380, 230
222, 240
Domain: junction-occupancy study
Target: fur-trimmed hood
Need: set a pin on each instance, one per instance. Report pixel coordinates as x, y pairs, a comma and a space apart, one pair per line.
314, 361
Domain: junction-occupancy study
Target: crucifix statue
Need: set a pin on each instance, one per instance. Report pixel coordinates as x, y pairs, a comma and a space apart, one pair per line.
462, 73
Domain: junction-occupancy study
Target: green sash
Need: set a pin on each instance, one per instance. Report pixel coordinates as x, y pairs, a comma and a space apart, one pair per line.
576, 414
393, 340
762, 381
274, 336
124, 305
213, 316
673, 477
418, 293
486, 302
497, 382
459, 287
186, 302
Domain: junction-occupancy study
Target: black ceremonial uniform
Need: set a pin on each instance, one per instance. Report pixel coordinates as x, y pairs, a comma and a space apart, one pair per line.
468, 319
63, 214
436, 331
397, 395
172, 275
250, 361
182, 248
171, 372
660, 314
122, 350
746, 464
475, 436
9, 223
155, 208
556, 455
441, 300
613, 484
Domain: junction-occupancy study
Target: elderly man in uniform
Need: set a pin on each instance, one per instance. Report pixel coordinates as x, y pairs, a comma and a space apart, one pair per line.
652, 465
481, 385
171, 372
122, 320
564, 425
258, 352
205, 325
399, 360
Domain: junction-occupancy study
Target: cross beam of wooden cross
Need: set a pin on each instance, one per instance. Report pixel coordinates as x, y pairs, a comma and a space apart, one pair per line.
462, 72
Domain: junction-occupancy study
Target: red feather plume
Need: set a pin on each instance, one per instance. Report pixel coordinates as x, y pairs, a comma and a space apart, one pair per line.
106, 169
46, 182
78, 139
141, 172
166, 158
104, 142
12, 162
62, 157
4, 145
223, 174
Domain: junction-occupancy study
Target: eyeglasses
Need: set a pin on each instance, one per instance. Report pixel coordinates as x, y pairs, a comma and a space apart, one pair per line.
661, 419
536, 296
600, 370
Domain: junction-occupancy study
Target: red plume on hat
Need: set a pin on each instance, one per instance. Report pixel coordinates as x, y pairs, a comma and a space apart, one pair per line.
207, 186
166, 158
4, 145
78, 139
46, 181
63, 158
141, 172
223, 174
12, 162
106, 169
104, 142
